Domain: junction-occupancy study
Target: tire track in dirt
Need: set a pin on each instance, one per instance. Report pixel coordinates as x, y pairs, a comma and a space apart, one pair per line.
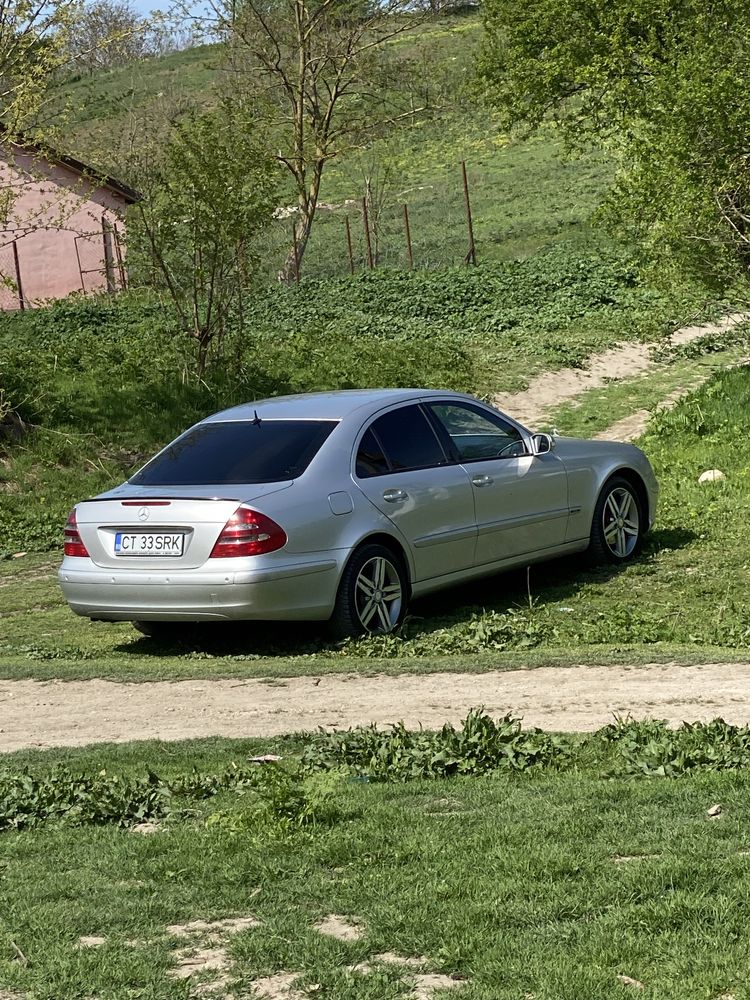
580, 698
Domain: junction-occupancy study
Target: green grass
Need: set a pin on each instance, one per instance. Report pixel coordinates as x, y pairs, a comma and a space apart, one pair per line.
524, 195
483, 330
697, 558
511, 883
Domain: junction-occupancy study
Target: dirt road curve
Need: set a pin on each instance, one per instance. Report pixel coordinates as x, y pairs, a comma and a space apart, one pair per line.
73, 713
551, 389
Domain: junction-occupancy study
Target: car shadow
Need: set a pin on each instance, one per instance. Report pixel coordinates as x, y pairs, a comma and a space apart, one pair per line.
553, 582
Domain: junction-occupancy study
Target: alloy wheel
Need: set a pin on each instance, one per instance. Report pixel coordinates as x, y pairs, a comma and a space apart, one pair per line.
378, 595
621, 522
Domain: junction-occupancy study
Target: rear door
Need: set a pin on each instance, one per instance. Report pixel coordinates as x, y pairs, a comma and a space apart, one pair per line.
403, 469
521, 499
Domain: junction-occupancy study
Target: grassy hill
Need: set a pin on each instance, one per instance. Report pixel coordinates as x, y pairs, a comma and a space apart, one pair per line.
524, 195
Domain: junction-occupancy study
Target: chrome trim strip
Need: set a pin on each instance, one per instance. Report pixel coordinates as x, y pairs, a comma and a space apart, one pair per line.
438, 537
525, 519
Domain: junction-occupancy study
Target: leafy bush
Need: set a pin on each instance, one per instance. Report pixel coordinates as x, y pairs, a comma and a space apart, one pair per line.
27, 801
480, 746
651, 748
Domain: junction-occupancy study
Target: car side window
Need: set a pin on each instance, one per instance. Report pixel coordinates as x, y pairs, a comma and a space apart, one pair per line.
370, 458
406, 441
477, 435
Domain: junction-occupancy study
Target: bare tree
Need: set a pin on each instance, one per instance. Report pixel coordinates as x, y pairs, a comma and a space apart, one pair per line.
109, 33
322, 74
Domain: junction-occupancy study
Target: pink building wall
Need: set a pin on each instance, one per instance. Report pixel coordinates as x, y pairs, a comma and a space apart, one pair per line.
62, 223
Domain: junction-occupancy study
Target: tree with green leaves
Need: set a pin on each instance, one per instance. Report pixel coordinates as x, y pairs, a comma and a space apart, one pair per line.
662, 85
34, 53
205, 199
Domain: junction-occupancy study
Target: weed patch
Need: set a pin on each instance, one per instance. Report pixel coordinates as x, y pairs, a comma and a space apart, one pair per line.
482, 330
307, 789
481, 746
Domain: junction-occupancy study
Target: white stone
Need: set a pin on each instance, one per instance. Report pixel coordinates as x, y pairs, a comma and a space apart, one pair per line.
711, 476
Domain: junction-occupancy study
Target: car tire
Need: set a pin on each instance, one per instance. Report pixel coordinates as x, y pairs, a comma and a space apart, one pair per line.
618, 524
372, 595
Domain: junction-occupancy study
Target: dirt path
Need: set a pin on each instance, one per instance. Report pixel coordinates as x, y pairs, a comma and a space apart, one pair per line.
551, 389
73, 713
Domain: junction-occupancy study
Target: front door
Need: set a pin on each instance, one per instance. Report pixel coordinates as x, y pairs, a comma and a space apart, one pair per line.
521, 500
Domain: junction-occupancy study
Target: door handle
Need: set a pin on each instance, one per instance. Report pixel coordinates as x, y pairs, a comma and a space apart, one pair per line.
482, 480
395, 496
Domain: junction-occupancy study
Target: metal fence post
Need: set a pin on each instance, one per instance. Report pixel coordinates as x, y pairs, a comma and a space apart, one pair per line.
118, 252
349, 243
19, 286
471, 256
408, 238
366, 221
108, 256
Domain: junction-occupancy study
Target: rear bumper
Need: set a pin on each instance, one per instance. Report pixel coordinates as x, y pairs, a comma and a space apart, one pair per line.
296, 591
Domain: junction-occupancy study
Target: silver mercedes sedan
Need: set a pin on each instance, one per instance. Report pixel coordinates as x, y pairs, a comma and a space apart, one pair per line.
342, 507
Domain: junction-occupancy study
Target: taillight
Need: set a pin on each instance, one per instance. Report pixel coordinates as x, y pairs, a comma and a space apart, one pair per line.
73, 544
248, 533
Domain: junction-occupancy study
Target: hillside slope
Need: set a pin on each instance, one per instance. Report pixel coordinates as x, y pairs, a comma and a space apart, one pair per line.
523, 194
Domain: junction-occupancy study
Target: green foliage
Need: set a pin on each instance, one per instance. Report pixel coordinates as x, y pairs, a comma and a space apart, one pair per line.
307, 787
286, 796
481, 746
523, 196
468, 329
27, 801
662, 85
651, 748
203, 204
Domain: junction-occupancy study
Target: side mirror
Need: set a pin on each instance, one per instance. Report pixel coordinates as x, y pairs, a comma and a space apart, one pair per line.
542, 443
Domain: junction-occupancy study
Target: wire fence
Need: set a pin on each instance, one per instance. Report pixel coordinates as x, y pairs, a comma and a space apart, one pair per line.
382, 229
49, 264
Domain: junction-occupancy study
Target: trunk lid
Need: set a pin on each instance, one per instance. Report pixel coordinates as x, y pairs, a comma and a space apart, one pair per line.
183, 529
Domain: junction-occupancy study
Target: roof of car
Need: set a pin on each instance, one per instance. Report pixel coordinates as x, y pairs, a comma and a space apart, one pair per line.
325, 405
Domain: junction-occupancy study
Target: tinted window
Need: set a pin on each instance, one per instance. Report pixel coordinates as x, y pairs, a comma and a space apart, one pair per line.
370, 458
238, 452
478, 435
407, 439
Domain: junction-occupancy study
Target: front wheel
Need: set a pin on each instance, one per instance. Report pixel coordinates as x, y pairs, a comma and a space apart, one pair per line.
372, 595
617, 528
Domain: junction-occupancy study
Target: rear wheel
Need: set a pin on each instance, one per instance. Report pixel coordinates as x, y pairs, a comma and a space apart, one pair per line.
372, 595
617, 528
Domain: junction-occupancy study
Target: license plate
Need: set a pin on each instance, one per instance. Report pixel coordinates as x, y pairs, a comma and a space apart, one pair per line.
149, 543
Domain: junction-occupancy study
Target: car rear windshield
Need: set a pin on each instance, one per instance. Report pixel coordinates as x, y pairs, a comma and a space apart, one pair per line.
265, 451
